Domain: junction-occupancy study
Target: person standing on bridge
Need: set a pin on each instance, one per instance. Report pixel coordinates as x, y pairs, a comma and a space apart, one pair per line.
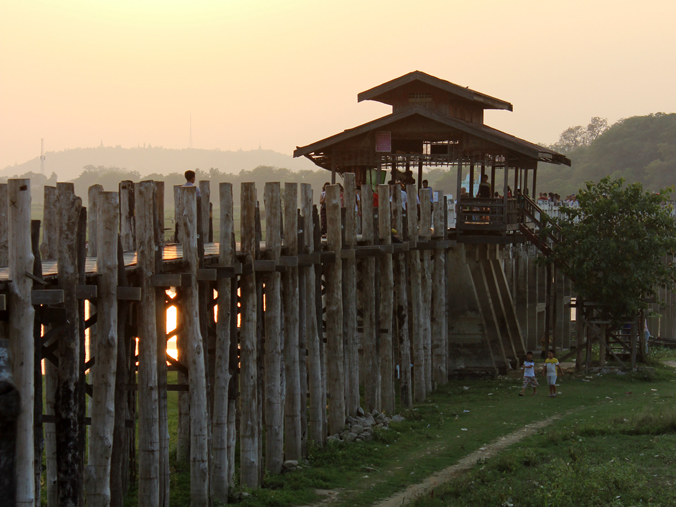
190, 181
484, 187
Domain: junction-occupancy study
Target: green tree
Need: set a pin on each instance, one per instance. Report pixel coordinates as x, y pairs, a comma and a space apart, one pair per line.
614, 246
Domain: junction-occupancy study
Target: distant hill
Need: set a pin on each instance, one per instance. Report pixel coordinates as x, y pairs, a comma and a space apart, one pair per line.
640, 148
68, 164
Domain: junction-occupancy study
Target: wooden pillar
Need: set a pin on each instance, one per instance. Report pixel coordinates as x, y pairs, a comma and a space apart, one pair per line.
351, 338
439, 328
10, 400
471, 179
274, 412
67, 402
602, 345
199, 462
183, 431
459, 187
21, 318
148, 434
493, 177
103, 373
50, 226
369, 338
161, 331
417, 333
177, 213
92, 217
334, 314
302, 339
226, 257
386, 302
426, 282
260, 345
127, 223
205, 209
401, 307
233, 389
4, 225
581, 333
38, 398
292, 399
249, 463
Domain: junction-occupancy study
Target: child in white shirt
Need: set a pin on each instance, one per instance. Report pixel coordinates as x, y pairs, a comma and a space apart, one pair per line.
529, 374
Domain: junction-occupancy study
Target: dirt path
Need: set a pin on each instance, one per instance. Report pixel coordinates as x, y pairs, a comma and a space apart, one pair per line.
670, 363
445, 475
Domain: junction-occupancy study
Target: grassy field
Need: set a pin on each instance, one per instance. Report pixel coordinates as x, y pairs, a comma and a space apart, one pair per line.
615, 439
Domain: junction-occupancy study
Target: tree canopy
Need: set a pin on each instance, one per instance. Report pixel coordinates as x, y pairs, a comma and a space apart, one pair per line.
615, 246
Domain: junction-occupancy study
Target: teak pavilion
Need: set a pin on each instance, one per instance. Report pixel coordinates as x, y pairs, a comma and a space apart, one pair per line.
435, 123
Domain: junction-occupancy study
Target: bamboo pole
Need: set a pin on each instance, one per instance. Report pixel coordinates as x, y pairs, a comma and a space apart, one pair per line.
314, 368
426, 283
386, 302
274, 414
369, 339
148, 432
67, 402
351, 338
104, 371
401, 306
21, 332
249, 462
199, 462
4, 225
226, 252
439, 327
417, 321
334, 314
127, 223
161, 330
92, 217
292, 398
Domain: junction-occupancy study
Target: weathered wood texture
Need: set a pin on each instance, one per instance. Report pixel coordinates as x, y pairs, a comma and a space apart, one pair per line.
401, 306
334, 314
21, 333
67, 401
351, 338
10, 407
415, 292
4, 226
103, 372
439, 327
148, 432
199, 460
249, 460
38, 433
219, 466
314, 366
183, 433
387, 397
274, 412
292, 397
369, 339
92, 219
50, 225
127, 223
426, 283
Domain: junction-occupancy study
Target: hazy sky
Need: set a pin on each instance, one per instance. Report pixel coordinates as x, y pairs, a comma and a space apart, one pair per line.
287, 73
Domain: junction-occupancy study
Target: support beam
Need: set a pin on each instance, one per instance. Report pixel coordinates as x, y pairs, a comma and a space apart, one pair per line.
387, 398
417, 334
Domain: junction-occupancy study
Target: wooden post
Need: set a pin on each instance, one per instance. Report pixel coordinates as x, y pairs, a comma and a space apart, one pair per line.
92, 217
274, 415
233, 388
602, 345
426, 282
401, 307
177, 213
205, 211
292, 399
50, 226
249, 463
350, 337
321, 324
419, 385
4, 226
67, 402
38, 430
226, 257
334, 314
439, 328
10, 401
199, 462
183, 431
314, 367
580, 333
161, 331
127, 223
148, 433
260, 345
387, 398
103, 373
21, 319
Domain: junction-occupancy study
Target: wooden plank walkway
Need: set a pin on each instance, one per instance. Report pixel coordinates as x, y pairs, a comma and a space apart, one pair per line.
172, 252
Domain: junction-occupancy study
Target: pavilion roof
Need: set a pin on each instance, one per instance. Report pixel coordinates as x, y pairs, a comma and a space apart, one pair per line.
483, 132
381, 92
